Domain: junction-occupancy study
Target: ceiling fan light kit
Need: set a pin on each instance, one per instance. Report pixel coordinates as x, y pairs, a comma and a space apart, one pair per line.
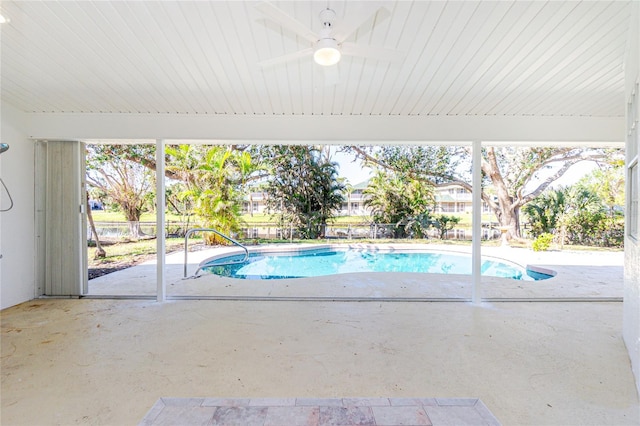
329, 45
327, 52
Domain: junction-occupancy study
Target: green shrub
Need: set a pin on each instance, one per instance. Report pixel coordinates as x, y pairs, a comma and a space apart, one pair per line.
543, 242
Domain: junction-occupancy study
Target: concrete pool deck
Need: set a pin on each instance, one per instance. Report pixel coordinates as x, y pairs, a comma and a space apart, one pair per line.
578, 275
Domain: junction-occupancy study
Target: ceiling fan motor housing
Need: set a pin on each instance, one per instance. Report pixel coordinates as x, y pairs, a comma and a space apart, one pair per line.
327, 17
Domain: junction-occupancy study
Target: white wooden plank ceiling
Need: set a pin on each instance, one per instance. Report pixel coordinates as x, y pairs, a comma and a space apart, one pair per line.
197, 57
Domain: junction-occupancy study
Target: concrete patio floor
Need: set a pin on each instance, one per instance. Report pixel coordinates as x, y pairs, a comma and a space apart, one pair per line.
107, 362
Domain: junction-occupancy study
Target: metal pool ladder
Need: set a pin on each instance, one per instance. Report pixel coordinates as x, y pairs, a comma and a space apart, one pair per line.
226, 237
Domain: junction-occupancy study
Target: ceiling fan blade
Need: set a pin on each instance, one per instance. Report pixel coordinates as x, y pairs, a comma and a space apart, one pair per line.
370, 11
286, 21
378, 53
286, 58
331, 75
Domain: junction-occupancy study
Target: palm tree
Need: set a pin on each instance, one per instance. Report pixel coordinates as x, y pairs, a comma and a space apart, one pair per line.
304, 188
330, 192
213, 176
400, 201
546, 210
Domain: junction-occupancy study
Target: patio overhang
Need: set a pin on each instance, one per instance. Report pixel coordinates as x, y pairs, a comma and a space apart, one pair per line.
261, 129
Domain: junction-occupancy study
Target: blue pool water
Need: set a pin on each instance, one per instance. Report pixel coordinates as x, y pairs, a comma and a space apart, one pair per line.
313, 263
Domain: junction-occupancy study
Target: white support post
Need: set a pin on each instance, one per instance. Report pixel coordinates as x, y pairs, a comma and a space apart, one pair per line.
160, 221
476, 224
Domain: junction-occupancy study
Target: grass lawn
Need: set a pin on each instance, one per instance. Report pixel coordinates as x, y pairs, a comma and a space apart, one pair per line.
126, 251
261, 218
131, 250
256, 218
117, 217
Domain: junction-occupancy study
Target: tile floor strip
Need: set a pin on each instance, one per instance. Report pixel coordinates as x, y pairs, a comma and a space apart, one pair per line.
319, 412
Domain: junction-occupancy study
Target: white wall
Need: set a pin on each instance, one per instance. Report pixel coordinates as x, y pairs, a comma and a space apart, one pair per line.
17, 229
631, 321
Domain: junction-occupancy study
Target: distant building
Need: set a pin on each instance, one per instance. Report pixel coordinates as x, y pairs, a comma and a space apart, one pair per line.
453, 198
354, 204
255, 203
450, 198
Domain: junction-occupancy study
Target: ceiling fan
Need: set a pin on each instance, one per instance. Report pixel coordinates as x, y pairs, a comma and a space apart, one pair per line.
329, 45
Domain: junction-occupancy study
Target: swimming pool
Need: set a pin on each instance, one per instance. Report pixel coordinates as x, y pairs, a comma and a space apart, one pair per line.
330, 261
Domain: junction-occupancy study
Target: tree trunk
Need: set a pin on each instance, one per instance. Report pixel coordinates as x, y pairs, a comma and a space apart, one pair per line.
132, 215
506, 210
323, 230
100, 253
134, 230
510, 220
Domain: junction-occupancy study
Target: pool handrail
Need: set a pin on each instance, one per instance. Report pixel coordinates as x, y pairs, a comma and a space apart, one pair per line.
226, 237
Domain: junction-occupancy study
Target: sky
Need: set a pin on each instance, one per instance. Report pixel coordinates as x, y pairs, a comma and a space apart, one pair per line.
574, 174
355, 172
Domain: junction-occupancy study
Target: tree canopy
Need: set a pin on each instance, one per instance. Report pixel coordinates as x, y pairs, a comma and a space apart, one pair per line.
303, 182
401, 202
512, 176
127, 183
213, 180
588, 212
303, 187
